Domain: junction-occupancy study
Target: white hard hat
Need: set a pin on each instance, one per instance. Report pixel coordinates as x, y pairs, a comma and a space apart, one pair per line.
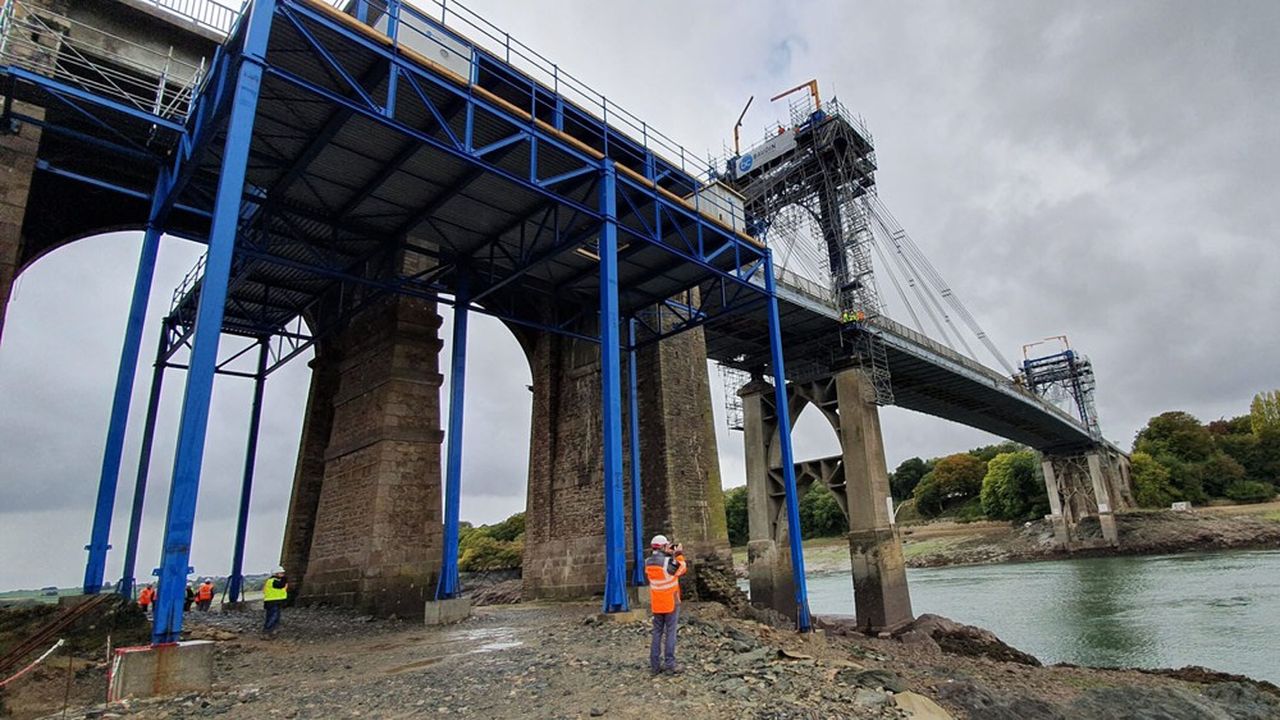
659, 541
279, 569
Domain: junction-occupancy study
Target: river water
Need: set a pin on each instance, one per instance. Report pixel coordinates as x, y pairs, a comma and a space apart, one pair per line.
1219, 610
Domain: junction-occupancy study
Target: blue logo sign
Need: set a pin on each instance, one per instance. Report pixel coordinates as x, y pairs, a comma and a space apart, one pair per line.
745, 163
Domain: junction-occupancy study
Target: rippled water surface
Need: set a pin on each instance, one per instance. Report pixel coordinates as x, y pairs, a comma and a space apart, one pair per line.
1220, 610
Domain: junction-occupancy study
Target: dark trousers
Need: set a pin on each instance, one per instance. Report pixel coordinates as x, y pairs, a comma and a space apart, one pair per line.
664, 632
203, 605
273, 616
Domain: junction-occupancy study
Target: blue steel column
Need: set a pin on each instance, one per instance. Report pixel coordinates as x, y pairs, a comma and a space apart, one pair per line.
204, 353
447, 587
127, 579
633, 424
788, 459
236, 581
615, 579
109, 479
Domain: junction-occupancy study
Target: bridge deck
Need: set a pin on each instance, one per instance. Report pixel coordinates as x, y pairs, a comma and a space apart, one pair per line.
341, 180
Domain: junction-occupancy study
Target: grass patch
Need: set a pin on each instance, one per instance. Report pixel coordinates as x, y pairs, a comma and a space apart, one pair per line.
1273, 516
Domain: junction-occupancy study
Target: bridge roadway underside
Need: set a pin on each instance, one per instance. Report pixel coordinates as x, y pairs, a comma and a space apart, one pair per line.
926, 377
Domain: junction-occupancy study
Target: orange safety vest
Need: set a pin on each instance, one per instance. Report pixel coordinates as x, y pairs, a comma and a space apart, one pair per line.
145, 597
664, 586
205, 592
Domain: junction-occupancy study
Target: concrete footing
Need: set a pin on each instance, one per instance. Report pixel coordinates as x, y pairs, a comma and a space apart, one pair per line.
159, 670
879, 580
447, 612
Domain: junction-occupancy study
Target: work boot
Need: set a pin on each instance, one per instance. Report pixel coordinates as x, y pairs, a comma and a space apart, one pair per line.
676, 670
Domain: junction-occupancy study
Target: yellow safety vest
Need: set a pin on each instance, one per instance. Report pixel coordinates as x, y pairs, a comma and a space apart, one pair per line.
270, 592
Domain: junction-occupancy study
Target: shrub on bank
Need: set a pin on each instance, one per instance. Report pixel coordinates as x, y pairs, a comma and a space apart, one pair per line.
1249, 491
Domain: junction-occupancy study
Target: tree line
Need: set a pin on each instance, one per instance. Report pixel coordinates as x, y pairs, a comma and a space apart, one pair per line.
1175, 457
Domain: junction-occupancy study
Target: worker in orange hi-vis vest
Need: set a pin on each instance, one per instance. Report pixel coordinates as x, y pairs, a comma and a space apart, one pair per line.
146, 597
204, 595
663, 569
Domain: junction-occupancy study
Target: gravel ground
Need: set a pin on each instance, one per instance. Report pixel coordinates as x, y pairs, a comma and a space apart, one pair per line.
562, 661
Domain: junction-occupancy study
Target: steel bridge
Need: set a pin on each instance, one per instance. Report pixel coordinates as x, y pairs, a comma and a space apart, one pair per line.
330, 156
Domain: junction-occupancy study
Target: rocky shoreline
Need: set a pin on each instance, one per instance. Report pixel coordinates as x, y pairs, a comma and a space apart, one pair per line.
528, 661
1141, 533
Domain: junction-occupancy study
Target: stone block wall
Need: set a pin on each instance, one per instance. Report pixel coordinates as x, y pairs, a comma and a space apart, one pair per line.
17, 163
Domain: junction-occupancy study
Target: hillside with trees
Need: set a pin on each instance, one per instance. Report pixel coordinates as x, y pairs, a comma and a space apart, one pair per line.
1175, 458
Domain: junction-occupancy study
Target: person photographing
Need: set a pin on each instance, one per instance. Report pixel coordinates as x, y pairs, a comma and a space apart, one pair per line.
663, 569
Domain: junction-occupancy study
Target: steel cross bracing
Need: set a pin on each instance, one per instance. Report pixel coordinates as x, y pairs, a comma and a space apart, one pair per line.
334, 163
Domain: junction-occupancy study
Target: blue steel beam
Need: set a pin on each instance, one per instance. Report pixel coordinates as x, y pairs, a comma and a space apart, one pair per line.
615, 582
236, 581
109, 477
788, 456
127, 579
204, 355
633, 422
448, 586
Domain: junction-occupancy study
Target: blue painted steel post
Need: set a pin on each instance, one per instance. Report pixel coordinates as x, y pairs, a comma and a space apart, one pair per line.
448, 587
127, 579
615, 579
109, 479
204, 353
236, 581
788, 459
633, 423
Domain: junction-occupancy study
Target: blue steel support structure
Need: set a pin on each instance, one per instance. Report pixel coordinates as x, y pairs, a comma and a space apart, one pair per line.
788, 459
615, 592
127, 578
95, 568
213, 295
633, 425
448, 586
236, 581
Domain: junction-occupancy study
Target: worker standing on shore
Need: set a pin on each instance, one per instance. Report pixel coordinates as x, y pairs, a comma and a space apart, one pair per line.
663, 569
204, 595
190, 598
275, 591
145, 597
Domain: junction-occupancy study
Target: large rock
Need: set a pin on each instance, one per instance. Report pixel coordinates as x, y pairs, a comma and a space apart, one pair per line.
919, 707
967, 640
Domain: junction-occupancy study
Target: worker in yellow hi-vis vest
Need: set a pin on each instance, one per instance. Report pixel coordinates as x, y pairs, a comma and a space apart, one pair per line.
275, 591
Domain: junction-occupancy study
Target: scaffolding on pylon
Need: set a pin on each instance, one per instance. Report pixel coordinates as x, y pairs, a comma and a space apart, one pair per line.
805, 190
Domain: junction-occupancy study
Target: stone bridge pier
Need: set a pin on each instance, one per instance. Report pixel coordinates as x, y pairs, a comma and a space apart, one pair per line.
679, 466
1092, 482
858, 478
365, 521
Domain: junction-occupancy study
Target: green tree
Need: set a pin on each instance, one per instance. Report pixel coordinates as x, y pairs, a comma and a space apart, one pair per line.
1264, 411
1220, 471
906, 477
735, 512
953, 480
820, 514
509, 529
1177, 434
1151, 485
986, 452
1012, 488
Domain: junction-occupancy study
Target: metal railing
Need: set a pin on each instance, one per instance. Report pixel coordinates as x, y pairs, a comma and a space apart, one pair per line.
208, 14
47, 43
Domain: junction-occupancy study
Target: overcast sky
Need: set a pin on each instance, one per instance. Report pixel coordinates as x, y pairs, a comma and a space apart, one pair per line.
1104, 170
